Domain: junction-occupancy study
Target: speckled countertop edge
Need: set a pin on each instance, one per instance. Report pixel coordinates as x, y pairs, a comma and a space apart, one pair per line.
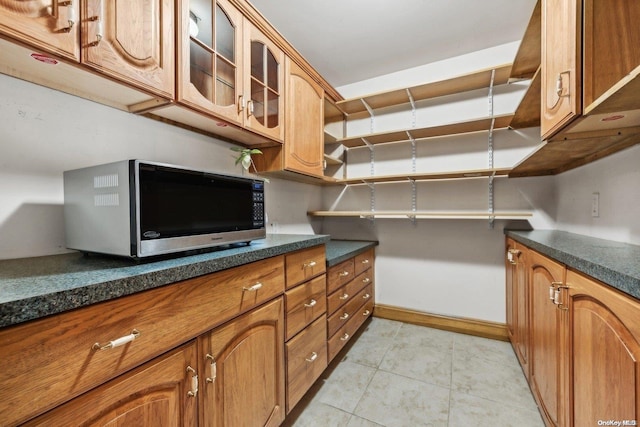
614, 263
31, 288
341, 250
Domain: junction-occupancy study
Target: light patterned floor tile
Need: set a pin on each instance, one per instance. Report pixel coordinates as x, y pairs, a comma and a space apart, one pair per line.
318, 414
375, 341
345, 386
356, 421
469, 410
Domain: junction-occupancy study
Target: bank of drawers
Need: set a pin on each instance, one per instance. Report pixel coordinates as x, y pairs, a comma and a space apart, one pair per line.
350, 299
305, 319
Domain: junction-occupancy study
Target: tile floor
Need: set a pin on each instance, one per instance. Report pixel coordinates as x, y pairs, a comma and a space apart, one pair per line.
397, 374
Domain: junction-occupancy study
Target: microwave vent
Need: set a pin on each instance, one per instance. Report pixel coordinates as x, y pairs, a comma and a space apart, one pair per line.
106, 199
105, 181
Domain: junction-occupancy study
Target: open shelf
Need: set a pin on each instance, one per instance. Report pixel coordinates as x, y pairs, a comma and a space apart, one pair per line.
466, 82
622, 96
528, 112
332, 160
528, 57
423, 214
462, 174
476, 125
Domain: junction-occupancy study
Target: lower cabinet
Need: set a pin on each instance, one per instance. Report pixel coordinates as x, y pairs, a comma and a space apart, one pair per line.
518, 302
584, 345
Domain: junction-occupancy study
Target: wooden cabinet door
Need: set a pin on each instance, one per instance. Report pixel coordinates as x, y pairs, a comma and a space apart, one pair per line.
47, 24
263, 84
521, 291
131, 41
244, 370
510, 269
604, 353
304, 134
560, 67
159, 393
545, 329
210, 73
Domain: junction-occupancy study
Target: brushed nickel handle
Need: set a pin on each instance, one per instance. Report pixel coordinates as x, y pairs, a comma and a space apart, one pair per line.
309, 264
366, 313
311, 303
344, 337
117, 342
252, 288
312, 358
194, 382
214, 369
345, 316
343, 274
343, 296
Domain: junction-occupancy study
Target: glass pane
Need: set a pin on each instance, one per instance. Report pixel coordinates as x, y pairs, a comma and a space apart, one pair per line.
225, 83
201, 63
257, 96
272, 109
201, 13
272, 71
257, 61
224, 35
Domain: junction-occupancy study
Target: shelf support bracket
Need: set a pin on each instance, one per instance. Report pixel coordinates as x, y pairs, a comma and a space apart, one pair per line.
413, 152
414, 200
371, 114
413, 108
490, 151
372, 190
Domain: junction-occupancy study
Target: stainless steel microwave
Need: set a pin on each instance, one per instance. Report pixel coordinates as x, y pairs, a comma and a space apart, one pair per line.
139, 209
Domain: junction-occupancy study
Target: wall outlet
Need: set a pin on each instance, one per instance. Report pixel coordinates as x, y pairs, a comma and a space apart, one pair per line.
595, 205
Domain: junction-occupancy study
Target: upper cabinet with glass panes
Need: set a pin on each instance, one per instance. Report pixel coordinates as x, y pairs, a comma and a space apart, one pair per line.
228, 68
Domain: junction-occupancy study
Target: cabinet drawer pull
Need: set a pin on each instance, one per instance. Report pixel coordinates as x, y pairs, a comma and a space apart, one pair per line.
344, 296
241, 103
100, 21
343, 274
214, 369
252, 288
345, 316
366, 296
250, 108
312, 358
194, 382
344, 337
366, 313
311, 303
309, 264
511, 256
365, 261
366, 280
71, 14
117, 342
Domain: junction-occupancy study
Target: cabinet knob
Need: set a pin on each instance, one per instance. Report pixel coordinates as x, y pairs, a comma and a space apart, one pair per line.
366, 280
366, 296
344, 296
343, 274
366, 313
311, 303
345, 316
365, 261
344, 337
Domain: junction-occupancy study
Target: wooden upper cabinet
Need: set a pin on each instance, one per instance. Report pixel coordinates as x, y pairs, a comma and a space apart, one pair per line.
263, 100
304, 135
159, 393
47, 24
604, 344
210, 58
131, 41
560, 64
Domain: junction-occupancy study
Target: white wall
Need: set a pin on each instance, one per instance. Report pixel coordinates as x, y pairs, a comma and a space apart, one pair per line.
44, 132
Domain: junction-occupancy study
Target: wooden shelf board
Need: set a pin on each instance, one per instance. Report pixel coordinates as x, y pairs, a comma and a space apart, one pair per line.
466, 82
623, 96
463, 174
528, 56
469, 126
554, 157
423, 214
528, 112
331, 112
332, 160
329, 139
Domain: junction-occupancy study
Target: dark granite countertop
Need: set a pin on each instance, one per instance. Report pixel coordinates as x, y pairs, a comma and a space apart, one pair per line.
614, 263
341, 250
36, 287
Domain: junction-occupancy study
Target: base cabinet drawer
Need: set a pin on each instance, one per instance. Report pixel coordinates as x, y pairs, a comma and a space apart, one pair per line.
303, 304
349, 310
340, 274
344, 334
305, 264
340, 297
306, 360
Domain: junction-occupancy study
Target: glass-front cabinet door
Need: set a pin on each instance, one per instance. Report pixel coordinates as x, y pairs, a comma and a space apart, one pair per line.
264, 84
210, 70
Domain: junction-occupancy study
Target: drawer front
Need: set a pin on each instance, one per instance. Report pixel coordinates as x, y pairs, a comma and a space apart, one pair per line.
349, 310
344, 334
53, 359
305, 264
364, 261
304, 303
339, 275
306, 360
343, 294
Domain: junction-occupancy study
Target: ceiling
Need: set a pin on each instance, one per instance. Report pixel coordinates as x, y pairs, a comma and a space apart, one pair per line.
348, 41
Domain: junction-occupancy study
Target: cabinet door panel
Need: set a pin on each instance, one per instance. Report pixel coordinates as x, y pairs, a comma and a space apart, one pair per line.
155, 394
42, 24
545, 335
604, 371
246, 365
561, 59
131, 41
304, 145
